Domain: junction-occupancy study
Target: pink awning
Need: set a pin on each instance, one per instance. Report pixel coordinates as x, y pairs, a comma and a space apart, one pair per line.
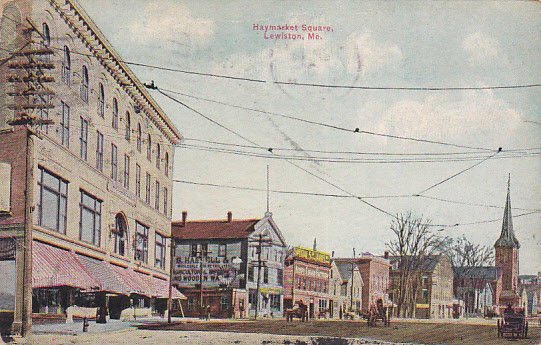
55, 267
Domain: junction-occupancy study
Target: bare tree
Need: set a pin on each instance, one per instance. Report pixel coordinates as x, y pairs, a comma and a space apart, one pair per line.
467, 258
414, 242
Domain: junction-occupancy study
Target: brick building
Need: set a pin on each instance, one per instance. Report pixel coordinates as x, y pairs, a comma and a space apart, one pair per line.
87, 166
230, 290
374, 271
306, 279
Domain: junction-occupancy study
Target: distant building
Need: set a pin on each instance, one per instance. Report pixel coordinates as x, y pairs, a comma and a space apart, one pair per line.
530, 294
229, 285
435, 297
306, 279
347, 288
479, 288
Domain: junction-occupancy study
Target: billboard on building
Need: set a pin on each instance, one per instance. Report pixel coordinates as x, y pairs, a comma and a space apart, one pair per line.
213, 271
314, 255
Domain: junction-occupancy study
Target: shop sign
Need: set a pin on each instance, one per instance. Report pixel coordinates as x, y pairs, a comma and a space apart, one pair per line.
315, 255
216, 271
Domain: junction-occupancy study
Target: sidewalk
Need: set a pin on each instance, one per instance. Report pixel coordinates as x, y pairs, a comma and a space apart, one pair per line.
76, 327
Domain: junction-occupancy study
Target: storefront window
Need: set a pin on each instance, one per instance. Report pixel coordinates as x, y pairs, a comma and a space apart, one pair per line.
275, 302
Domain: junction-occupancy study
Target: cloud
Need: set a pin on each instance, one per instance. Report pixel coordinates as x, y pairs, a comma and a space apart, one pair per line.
476, 115
479, 47
167, 20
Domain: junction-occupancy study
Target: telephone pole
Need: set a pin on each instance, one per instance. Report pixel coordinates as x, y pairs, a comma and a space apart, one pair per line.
262, 242
352, 280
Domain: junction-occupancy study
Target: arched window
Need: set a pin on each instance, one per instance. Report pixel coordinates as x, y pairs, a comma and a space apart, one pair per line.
139, 138
101, 101
46, 35
115, 114
149, 148
158, 155
166, 164
120, 234
66, 66
84, 85
46, 43
127, 134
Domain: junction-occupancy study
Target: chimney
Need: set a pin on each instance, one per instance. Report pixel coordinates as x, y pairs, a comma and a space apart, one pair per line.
386, 254
229, 216
184, 217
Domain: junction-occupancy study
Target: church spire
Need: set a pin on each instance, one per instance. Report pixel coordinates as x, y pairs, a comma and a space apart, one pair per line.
507, 236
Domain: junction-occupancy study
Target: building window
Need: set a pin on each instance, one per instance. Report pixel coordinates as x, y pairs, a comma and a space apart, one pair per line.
147, 195
166, 164
65, 125
266, 275
127, 133
101, 101
42, 110
158, 156
99, 151
280, 276
252, 298
66, 66
204, 250
84, 85
139, 137
120, 234
141, 242
160, 251
193, 250
165, 201
52, 201
83, 139
149, 147
424, 294
114, 162
251, 274
126, 171
90, 220
274, 302
157, 196
224, 303
222, 250
138, 180
115, 114
46, 43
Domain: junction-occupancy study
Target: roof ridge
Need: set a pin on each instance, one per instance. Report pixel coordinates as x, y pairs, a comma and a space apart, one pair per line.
216, 220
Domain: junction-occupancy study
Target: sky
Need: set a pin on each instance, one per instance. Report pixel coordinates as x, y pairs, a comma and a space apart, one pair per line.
368, 43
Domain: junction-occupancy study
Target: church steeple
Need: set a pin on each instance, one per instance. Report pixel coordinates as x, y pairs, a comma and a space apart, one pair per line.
507, 237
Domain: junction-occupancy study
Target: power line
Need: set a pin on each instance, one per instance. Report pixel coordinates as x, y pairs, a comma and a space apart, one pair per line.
335, 86
472, 204
458, 173
332, 126
273, 148
289, 161
347, 160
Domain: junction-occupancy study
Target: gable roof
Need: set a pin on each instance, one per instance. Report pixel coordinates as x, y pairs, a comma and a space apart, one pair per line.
213, 229
483, 272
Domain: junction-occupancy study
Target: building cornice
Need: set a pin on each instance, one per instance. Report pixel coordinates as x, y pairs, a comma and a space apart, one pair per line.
83, 26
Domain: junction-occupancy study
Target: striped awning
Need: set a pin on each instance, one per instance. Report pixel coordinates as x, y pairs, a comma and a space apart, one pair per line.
109, 281
160, 289
135, 282
55, 267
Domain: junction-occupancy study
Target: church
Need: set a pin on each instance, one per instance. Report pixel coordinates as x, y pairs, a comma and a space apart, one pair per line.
487, 290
